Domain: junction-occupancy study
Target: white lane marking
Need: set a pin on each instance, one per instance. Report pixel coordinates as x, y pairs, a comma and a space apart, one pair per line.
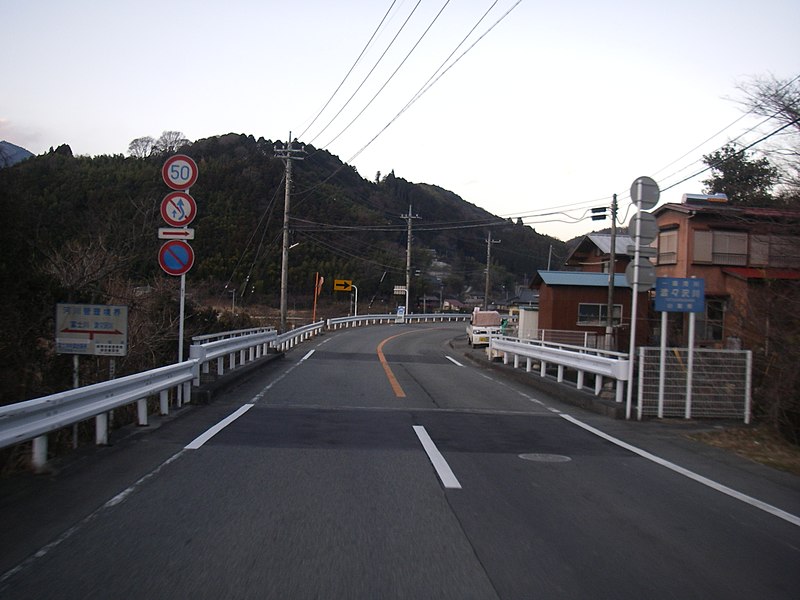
308, 355
453, 360
443, 470
203, 438
782, 514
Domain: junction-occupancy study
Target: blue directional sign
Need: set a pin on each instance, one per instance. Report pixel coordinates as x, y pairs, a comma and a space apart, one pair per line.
680, 294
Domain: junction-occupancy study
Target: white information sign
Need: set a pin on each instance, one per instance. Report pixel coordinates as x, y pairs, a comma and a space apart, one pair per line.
95, 329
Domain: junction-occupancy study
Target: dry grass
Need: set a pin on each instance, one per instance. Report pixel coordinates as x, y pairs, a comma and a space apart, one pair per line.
760, 444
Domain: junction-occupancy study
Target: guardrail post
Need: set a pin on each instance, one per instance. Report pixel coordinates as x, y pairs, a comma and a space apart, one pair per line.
560, 373
101, 429
220, 366
141, 411
528, 364
580, 380
542, 368
39, 455
163, 399
187, 392
516, 361
598, 384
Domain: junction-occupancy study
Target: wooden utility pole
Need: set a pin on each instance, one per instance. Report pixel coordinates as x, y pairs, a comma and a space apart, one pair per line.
408, 219
489, 242
612, 267
288, 153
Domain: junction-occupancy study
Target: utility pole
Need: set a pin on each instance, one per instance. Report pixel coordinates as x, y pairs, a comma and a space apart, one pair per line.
489, 242
612, 266
408, 219
288, 153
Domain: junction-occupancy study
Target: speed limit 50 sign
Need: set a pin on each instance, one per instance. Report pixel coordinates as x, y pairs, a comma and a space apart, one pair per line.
179, 172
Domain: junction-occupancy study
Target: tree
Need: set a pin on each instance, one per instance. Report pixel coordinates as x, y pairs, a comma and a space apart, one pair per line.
779, 100
745, 180
170, 142
141, 147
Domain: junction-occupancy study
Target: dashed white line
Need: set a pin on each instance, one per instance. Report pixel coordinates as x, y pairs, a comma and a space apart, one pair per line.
203, 438
453, 360
443, 470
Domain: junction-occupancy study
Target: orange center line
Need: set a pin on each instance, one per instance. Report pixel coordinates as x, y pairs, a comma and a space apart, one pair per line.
398, 390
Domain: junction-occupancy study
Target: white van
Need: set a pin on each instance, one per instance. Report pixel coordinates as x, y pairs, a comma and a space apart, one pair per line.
482, 325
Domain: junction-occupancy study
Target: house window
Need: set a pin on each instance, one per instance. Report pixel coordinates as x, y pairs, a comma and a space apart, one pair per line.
703, 245
595, 314
730, 248
668, 247
710, 323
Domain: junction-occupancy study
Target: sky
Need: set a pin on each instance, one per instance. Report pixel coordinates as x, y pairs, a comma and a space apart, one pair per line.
545, 110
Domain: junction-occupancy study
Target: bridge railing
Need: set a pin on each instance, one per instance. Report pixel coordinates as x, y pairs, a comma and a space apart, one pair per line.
601, 363
246, 346
34, 419
383, 319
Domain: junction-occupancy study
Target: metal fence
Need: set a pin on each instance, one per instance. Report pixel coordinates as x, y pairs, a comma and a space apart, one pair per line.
709, 384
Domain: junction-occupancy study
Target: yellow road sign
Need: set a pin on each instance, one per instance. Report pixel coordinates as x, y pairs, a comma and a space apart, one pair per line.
342, 285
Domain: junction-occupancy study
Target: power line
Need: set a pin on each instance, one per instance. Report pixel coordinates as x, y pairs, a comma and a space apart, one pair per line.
336, 91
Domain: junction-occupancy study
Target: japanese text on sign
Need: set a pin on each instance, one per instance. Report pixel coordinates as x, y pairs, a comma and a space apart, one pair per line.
680, 294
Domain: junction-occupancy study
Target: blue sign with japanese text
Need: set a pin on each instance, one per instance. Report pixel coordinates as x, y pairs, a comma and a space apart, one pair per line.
680, 294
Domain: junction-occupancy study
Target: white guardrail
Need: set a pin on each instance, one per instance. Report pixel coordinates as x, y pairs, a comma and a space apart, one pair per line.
34, 419
602, 363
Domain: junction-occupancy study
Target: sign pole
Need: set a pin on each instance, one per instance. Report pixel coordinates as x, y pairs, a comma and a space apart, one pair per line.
662, 364
634, 302
181, 313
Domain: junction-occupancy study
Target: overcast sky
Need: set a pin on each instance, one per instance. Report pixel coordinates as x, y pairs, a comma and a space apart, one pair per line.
557, 107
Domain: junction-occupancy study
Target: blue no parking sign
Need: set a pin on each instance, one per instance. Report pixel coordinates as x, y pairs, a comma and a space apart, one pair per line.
176, 257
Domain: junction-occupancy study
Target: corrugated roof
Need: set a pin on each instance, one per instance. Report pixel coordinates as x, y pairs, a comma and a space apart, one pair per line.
603, 242
581, 278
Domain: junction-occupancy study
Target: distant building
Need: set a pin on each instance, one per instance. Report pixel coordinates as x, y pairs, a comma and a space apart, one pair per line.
578, 301
593, 253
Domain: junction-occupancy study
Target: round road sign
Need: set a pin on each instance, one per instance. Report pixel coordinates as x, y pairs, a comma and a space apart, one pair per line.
645, 193
176, 257
179, 172
646, 277
648, 228
178, 209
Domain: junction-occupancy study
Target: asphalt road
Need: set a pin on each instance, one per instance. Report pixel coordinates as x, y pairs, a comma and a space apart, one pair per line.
379, 463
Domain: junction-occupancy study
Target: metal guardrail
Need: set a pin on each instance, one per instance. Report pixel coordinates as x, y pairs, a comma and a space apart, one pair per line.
602, 363
34, 419
383, 319
211, 337
291, 338
248, 347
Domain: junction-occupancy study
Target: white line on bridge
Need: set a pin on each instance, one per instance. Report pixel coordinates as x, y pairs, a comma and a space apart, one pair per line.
202, 439
453, 360
443, 470
782, 514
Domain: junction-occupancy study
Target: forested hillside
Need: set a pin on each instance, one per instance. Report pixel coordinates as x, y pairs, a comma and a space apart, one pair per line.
84, 230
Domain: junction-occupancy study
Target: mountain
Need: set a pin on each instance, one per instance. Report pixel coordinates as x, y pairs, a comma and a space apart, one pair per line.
85, 231
11, 154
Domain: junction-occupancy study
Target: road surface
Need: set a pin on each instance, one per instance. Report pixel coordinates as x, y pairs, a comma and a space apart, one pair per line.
379, 463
